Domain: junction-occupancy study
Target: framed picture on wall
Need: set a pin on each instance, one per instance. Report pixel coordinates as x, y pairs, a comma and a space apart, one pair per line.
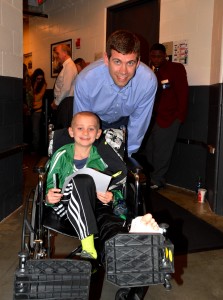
55, 66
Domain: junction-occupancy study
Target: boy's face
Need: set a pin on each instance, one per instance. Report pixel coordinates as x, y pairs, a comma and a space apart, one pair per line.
84, 130
121, 67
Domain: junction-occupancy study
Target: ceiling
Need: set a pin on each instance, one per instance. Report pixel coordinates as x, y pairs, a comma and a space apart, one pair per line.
31, 8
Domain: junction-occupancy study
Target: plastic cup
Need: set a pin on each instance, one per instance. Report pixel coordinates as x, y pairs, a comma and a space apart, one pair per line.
201, 195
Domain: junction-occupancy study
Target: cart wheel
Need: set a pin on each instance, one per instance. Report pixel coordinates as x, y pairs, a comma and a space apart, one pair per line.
122, 294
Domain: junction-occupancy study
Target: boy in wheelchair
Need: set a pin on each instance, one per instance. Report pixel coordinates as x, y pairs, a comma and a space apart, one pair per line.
89, 212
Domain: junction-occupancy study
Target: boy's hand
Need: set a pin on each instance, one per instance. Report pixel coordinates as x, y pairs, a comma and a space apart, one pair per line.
54, 196
105, 197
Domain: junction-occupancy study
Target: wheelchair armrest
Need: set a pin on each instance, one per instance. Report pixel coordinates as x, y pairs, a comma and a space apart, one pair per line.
41, 166
133, 165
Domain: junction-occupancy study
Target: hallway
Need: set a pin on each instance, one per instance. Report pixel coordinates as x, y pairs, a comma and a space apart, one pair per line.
197, 276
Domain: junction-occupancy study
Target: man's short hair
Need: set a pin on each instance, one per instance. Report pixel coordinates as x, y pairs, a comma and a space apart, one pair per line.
80, 61
66, 49
158, 47
124, 42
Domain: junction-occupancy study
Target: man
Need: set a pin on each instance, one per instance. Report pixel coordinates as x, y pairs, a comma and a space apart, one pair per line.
170, 111
63, 89
80, 64
119, 89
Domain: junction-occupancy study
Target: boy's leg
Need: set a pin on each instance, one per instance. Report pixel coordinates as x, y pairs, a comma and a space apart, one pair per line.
108, 225
80, 196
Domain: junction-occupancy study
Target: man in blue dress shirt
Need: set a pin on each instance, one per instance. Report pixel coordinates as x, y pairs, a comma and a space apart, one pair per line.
119, 88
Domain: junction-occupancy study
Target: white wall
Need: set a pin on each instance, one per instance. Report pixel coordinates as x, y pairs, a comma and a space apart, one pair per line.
70, 19
11, 35
86, 19
191, 20
217, 44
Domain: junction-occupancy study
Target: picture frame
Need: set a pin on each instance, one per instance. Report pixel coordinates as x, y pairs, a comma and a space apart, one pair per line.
55, 68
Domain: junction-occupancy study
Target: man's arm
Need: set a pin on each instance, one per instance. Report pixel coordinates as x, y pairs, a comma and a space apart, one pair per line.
81, 100
139, 121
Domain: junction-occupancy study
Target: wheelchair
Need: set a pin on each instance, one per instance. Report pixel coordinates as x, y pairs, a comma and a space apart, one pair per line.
132, 261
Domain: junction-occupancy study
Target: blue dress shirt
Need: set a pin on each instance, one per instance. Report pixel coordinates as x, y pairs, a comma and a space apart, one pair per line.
95, 90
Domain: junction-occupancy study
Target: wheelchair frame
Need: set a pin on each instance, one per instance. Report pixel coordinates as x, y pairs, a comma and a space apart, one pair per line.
154, 250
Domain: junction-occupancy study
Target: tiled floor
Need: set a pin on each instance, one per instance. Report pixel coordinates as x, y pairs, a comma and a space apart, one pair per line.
197, 276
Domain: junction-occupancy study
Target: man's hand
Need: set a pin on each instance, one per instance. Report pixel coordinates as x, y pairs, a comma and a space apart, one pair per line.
54, 106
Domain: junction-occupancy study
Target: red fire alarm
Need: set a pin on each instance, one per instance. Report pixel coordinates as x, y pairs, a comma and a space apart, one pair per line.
78, 43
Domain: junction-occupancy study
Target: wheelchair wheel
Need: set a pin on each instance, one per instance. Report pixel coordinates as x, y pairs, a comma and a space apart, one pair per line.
122, 294
29, 222
133, 293
34, 236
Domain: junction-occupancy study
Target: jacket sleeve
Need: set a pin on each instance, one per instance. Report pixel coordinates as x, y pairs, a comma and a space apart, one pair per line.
55, 168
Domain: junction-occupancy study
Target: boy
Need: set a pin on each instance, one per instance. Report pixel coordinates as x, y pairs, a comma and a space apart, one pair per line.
80, 199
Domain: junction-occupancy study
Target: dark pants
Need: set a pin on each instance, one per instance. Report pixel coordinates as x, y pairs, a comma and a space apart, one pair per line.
159, 150
87, 214
80, 199
64, 113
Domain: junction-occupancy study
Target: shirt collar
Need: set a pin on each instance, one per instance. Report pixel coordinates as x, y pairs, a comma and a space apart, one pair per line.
66, 61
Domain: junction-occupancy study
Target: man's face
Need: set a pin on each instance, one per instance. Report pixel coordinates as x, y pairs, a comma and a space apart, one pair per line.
60, 54
157, 57
121, 67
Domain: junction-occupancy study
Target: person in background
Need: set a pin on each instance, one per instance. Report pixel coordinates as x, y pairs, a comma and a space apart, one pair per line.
80, 64
63, 89
170, 110
119, 88
27, 105
39, 87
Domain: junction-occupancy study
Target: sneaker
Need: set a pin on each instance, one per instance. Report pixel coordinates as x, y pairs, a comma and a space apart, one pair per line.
87, 255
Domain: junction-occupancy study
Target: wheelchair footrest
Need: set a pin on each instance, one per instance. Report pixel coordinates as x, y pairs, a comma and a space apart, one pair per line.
53, 279
138, 259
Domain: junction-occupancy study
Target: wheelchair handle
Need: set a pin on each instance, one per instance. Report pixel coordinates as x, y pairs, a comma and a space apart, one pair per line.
23, 256
164, 227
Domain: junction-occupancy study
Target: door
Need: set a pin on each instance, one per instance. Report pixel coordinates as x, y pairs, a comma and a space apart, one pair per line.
139, 16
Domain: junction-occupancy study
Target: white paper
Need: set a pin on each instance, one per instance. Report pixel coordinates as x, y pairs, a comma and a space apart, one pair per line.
101, 180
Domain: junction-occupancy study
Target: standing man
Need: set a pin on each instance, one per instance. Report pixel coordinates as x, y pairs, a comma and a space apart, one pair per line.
170, 110
119, 88
63, 89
